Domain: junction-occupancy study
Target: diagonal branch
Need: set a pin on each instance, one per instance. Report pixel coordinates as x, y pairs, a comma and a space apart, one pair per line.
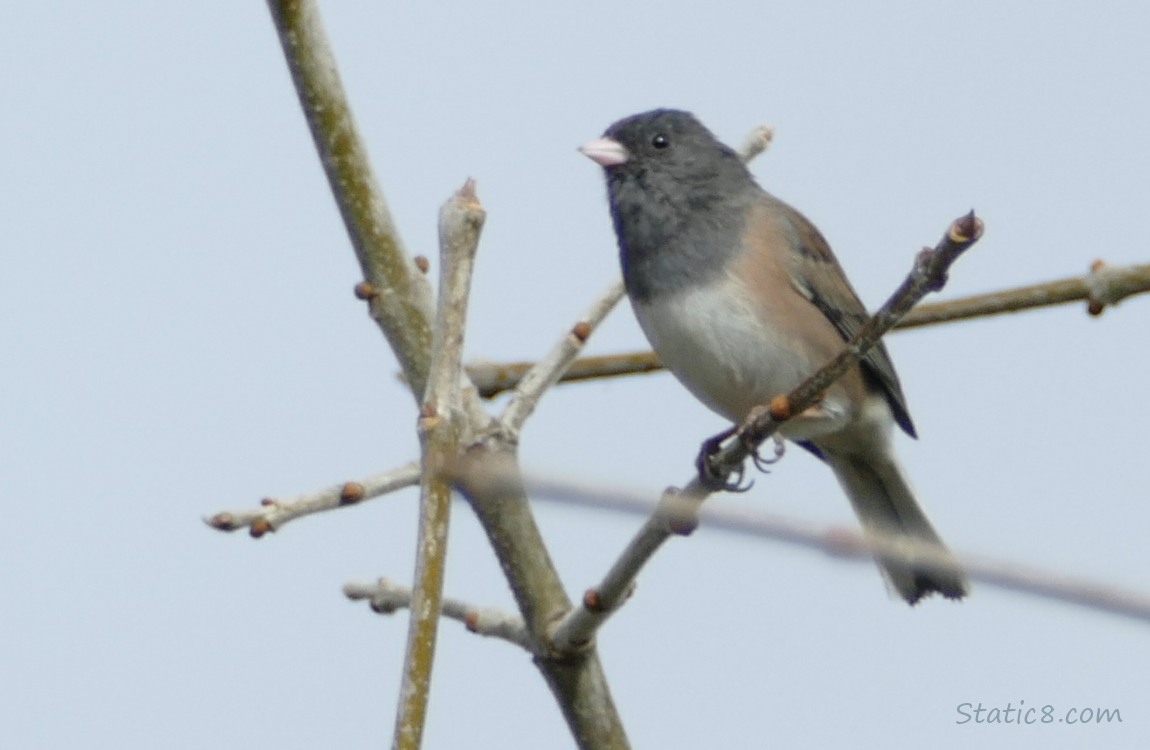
548, 370
928, 275
677, 512
399, 295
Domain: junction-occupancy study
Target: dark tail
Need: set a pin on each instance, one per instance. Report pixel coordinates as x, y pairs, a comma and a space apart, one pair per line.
918, 563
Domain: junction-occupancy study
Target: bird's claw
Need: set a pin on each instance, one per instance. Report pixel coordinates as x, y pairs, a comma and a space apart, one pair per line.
762, 462
710, 476
716, 480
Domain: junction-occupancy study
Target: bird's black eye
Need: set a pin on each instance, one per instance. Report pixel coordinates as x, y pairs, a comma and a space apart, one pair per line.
660, 141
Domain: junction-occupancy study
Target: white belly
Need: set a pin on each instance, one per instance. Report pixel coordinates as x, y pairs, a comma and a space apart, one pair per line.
723, 350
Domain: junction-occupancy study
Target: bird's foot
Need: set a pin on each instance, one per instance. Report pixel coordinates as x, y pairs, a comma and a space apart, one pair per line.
761, 461
710, 476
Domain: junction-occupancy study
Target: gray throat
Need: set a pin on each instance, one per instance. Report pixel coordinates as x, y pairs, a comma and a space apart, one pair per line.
665, 246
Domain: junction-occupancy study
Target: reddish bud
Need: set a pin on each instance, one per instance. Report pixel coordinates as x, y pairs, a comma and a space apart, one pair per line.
780, 408
351, 492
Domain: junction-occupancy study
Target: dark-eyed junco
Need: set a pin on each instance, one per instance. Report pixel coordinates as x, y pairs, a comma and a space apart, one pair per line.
742, 299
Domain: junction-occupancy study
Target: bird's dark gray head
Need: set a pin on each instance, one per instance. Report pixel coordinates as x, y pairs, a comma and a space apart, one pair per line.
679, 199
669, 152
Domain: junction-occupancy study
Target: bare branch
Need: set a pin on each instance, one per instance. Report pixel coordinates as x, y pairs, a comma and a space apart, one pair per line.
273, 514
547, 371
488, 476
461, 220
386, 597
493, 378
398, 294
677, 512
1104, 286
442, 425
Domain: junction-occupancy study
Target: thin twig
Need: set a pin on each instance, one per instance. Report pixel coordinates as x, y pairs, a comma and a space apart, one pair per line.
756, 142
495, 378
546, 372
677, 512
441, 427
386, 597
273, 514
1104, 286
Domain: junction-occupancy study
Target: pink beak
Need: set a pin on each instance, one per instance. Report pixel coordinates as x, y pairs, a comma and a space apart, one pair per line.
606, 152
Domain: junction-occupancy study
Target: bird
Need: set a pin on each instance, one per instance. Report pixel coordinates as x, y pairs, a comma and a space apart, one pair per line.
742, 299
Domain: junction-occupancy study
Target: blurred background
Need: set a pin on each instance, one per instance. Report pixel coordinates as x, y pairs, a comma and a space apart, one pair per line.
179, 337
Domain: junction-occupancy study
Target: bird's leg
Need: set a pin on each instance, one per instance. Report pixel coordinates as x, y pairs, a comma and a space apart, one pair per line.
707, 472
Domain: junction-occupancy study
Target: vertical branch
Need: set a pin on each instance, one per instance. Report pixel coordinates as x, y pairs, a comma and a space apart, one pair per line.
399, 296
400, 303
442, 425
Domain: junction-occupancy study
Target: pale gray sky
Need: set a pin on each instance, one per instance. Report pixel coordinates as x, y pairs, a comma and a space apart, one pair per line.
179, 337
